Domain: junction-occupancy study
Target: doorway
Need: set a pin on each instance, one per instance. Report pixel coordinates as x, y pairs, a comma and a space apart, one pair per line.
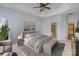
54, 30
70, 30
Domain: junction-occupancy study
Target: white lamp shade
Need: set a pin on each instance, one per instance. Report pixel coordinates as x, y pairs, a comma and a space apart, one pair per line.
19, 37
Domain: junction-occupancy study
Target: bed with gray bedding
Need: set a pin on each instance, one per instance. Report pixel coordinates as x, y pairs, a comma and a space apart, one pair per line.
35, 41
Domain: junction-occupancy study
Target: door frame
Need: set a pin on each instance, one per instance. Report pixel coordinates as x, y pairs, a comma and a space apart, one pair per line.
55, 23
67, 27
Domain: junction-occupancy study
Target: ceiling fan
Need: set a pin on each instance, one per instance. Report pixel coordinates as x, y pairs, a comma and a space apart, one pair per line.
43, 6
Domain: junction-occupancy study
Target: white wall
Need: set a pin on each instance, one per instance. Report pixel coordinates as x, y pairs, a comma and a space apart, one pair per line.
16, 21
62, 21
63, 27
72, 18
46, 26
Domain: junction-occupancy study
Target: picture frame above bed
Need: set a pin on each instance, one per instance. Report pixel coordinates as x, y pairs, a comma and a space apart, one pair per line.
29, 26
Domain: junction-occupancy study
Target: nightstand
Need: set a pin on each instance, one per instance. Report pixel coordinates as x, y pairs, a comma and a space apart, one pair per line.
20, 42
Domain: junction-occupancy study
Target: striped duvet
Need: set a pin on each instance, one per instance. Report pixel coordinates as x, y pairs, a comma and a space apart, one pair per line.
36, 43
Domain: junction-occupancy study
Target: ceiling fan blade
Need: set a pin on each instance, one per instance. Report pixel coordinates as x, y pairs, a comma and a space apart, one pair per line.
47, 7
37, 7
43, 4
47, 3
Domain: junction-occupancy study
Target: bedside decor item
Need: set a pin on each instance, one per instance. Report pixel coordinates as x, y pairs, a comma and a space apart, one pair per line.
20, 41
19, 37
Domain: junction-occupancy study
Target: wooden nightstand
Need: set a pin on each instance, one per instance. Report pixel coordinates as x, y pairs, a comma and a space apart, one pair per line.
20, 42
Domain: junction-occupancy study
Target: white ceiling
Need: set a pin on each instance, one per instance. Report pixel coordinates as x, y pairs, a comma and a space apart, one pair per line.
73, 8
56, 8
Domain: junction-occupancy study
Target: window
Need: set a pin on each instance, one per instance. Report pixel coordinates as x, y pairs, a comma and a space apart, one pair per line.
3, 21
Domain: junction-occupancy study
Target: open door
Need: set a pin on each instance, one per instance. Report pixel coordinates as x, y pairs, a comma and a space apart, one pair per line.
54, 30
70, 30
71, 27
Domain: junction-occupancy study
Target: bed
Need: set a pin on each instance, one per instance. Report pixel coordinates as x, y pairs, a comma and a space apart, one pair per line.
35, 41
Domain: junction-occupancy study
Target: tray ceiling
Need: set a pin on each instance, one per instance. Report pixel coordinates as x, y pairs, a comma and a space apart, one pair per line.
56, 8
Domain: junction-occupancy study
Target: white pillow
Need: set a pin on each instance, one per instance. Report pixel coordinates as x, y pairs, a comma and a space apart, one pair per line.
35, 34
27, 36
31, 35
26, 40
